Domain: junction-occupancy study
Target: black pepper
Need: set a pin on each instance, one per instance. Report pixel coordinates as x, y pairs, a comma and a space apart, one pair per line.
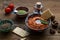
52, 31
54, 24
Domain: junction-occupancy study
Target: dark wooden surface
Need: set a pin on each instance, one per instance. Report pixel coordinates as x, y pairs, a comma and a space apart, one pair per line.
53, 5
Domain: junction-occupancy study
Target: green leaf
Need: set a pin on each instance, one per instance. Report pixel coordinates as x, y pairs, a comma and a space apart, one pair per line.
44, 22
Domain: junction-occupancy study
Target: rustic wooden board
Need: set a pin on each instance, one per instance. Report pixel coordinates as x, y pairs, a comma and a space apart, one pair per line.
54, 5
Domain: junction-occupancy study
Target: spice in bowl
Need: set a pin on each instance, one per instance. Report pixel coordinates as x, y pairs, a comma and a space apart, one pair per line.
4, 26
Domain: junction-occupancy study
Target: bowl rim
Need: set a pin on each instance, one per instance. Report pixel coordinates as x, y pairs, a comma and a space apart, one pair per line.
22, 6
26, 22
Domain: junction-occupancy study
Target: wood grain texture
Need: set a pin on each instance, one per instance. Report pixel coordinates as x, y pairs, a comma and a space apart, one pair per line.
53, 5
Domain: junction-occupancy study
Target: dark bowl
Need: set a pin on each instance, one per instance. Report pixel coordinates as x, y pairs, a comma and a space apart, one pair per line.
22, 8
26, 22
9, 27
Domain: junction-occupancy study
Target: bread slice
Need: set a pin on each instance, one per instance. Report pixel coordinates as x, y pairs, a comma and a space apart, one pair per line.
20, 32
46, 14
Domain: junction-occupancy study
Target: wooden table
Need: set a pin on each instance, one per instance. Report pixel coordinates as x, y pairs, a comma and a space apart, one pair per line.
53, 5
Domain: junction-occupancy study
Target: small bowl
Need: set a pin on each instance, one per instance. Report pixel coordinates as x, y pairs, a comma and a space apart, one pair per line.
22, 8
26, 22
9, 28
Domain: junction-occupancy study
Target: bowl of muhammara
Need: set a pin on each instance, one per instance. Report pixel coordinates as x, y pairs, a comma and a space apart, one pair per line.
36, 22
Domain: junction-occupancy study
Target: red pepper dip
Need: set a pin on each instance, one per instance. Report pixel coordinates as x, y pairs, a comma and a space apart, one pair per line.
34, 23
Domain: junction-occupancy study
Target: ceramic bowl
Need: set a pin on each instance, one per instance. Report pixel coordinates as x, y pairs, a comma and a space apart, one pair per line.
26, 22
22, 8
8, 28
